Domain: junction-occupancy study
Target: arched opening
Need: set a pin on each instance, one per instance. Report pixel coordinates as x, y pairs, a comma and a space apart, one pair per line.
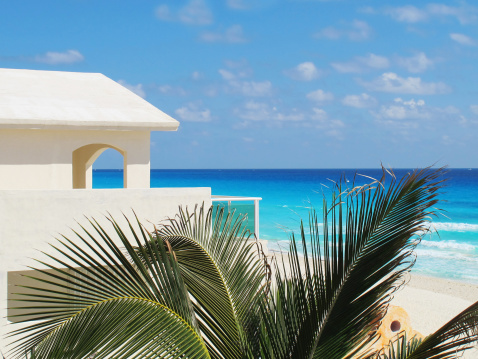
83, 159
108, 170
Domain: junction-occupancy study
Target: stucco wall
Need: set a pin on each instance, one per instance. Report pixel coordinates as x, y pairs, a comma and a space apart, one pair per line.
29, 219
42, 159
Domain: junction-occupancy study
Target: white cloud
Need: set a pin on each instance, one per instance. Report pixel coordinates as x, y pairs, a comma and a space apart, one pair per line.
172, 90
408, 116
375, 61
194, 112
305, 71
464, 13
359, 101
232, 35
320, 96
235, 83
60, 58
391, 82
319, 114
355, 31
237, 4
137, 89
261, 111
418, 63
254, 111
407, 13
251, 88
463, 39
474, 109
227, 75
404, 110
330, 127
195, 12
196, 75
361, 64
164, 13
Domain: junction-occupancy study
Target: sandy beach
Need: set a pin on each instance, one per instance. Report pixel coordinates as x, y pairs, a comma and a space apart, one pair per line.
431, 302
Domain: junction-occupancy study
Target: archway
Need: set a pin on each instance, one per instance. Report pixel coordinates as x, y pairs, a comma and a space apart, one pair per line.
83, 159
108, 170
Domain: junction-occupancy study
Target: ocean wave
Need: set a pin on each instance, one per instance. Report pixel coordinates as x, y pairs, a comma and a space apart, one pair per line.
447, 245
455, 227
453, 257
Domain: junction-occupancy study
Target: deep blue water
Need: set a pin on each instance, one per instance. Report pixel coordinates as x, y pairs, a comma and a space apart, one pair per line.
288, 194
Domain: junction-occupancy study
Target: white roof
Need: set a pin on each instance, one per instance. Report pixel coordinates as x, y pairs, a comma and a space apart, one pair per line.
73, 100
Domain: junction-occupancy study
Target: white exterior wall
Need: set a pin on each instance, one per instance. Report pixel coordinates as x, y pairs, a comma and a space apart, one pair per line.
30, 219
42, 159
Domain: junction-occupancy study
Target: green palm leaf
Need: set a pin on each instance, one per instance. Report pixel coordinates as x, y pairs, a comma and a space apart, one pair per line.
224, 274
120, 307
330, 308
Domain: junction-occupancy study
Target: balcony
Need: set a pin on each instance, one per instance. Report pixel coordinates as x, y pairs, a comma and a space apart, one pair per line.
248, 206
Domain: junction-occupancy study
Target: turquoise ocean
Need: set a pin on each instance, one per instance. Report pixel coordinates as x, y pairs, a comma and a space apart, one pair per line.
287, 195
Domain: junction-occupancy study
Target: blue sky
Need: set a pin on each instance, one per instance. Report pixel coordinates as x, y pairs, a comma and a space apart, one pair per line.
274, 84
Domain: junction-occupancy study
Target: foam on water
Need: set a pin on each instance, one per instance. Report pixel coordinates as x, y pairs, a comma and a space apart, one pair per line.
450, 244
422, 253
455, 227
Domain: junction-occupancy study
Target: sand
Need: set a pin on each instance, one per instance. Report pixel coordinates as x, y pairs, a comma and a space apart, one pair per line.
431, 302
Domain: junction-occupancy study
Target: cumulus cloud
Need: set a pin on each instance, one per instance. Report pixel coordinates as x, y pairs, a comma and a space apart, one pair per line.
462, 39
172, 90
407, 13
194, 112
227, 75
391, 82
408, 116
196, 75
355, 31
320, 96
256, 111
261, 111
360, 64
60, 58
236, 83
418, 63
251, 88
410, 14
137, 89
330, 127
305, 71
359, 101
231, 35
404, 109
464, 13
238, 4
319, 114
195, 12
474, 109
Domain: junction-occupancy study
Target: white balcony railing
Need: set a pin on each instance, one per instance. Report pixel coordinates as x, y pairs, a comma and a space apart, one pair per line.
230, 203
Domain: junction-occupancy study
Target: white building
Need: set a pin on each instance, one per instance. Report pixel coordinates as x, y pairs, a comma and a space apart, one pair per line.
53, 126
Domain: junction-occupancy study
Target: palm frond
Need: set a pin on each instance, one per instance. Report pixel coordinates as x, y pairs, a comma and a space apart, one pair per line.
98, 303
400, 348
224, 274
330, 307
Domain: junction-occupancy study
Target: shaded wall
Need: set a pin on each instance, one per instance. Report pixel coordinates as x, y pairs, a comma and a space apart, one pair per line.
30, 219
